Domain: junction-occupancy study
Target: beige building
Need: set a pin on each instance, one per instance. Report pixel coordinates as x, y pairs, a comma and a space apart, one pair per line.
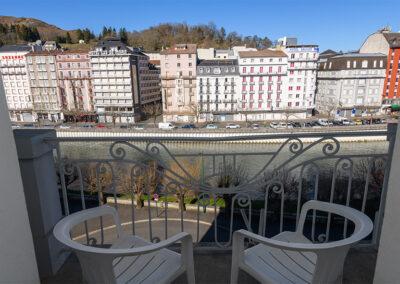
47, 103
74, 80
178, 81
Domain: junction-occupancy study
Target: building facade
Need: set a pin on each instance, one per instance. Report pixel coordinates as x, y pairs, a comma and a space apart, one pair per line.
351, 84
149, 81
15, 77
263, 81
178, 82
302, 76
115, 76
46, 98
217, 89
75, 81
391, 90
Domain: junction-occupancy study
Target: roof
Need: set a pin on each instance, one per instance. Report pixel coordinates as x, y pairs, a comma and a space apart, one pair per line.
155, 62
73, 51
43, 53
302, 45
183, 48
339, 62
15, 48
109, 43
262, 53
393, 39
227, 62
360, 55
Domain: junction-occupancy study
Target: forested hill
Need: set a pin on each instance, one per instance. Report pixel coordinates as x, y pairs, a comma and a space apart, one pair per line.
21, 30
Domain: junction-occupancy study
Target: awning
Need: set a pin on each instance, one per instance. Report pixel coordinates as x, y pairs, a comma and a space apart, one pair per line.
395, 107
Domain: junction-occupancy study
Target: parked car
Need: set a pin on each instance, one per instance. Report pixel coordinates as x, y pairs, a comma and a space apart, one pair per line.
211, 126
295, 124
166, 125
232, 126
89, 126
255, 126
345, 121
274, 125
123, 126
322, 122
139, 127
284, 125
358, 122
100, 125
189, 126
337, 123
366, 121
64, 127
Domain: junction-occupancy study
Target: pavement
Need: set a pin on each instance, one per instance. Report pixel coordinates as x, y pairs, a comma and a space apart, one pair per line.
215, 268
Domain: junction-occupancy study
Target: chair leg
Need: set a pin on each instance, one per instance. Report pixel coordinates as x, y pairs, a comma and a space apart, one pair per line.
190, 274
234, 271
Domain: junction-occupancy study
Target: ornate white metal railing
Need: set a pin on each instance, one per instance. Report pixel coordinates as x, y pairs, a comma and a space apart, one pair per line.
210, 188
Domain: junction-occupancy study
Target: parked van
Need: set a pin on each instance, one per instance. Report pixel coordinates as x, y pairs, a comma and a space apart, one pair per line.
166, 125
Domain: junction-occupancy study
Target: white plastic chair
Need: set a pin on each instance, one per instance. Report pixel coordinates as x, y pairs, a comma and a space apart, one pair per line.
292, 258
130, 259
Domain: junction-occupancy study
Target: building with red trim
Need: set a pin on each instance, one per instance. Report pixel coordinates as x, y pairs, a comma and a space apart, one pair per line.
391, 89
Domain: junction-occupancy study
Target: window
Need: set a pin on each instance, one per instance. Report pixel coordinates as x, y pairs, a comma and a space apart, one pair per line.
289, 104
261, 69
290, 88
292, 64
244, 69
178, 65
178, 56
251, 79
190, 64
364, 64
348, 63
251, 69
298, 88
270, 69
279, 69
244, 79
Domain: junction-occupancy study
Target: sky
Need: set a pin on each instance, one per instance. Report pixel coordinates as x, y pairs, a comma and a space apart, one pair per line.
335, 24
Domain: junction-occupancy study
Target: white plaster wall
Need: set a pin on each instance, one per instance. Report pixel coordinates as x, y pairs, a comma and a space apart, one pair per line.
387, 266
17, 256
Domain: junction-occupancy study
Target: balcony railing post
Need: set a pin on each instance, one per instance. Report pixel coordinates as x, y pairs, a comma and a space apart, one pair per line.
39, 179
391, 137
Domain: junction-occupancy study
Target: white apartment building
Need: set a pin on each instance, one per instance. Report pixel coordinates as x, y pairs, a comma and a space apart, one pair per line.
217, 88
16, 82
263, 85
301, 77
123, 81
47, 102
178, 81
351, 84
116, 95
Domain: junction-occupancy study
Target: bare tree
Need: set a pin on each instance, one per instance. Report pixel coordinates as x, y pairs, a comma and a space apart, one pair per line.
153, 111
195, 111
